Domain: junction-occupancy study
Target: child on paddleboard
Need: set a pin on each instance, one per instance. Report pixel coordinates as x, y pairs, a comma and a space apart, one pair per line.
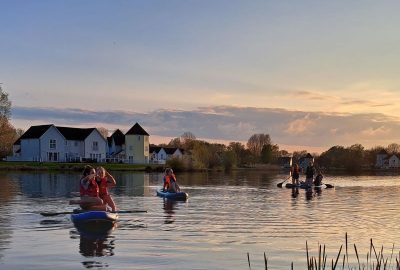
104, 181
170, 183
89, 191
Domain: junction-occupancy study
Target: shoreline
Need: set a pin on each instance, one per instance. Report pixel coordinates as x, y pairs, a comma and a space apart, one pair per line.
61, 166
78, 167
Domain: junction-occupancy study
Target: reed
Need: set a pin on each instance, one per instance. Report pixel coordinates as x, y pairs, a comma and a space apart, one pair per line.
374, 260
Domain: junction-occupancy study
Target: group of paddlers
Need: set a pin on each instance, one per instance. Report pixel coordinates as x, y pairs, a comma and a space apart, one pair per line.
93, 190
309, 173
94, 184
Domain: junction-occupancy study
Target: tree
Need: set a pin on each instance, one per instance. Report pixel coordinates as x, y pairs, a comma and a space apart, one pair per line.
5, 105
103, 131
393, 148
239, 152
256, 143
176, 142
269, 153
187, 140
8, 134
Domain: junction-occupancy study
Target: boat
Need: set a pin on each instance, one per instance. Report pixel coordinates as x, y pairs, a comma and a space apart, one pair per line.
304, 186
96, 221
177, 196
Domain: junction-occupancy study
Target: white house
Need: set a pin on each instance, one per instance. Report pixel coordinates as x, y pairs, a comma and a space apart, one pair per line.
380, 159
59, 144
393, 162
173, 152
160, 155
285, 162
116, 146
157, 155
305, 161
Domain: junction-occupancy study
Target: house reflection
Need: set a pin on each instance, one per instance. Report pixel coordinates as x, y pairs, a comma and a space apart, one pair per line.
36, 185
131, 184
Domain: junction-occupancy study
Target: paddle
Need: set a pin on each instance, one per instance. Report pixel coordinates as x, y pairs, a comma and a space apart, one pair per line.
329, 186
51, 214
280, 184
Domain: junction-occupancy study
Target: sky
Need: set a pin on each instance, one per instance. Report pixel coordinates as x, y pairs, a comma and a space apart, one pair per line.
312, 74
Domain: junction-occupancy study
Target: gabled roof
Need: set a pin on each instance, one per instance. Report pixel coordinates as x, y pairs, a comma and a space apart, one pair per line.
155, 149
137, 130
119, 137
170, 150
75, 134
35, 132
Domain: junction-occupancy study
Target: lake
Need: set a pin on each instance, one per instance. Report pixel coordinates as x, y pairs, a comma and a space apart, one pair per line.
227, 216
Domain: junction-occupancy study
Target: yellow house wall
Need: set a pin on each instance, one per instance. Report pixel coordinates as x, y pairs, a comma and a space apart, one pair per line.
138, 147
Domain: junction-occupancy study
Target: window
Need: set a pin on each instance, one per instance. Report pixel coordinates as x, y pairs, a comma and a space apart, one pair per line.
76, 143
52, 156
131, 147
95, 146
138, 138
53, 144
146, 149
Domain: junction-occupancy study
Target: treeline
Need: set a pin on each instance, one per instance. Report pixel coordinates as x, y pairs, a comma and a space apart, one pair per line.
8, 134
200, 154
354, 158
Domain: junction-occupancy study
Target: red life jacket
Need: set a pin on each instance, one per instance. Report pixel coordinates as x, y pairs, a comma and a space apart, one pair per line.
102, 186
92, 190
168, 180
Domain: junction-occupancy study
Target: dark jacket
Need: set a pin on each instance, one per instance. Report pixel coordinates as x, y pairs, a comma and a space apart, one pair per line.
310, 171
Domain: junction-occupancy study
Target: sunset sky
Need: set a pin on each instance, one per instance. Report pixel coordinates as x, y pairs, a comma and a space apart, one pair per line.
312, 74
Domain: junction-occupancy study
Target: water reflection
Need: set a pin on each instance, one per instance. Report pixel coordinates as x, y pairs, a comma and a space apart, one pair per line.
95, 242
295, 192
132, 184
310, 193
37, 185
168, 207
8, 192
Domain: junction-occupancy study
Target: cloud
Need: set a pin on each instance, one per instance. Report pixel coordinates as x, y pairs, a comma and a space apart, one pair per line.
300, 126
312, 95
286, 127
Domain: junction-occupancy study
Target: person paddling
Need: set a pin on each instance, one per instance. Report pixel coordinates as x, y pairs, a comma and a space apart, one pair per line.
170, 183
105, 180
318, 179
310, 171
295, 172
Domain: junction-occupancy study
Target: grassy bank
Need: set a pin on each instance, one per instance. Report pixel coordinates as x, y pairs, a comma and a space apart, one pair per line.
56, 166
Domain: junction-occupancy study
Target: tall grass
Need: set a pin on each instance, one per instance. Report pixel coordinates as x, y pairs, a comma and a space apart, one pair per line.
374, 260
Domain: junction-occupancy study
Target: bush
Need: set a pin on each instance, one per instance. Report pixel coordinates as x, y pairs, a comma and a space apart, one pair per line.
176, 164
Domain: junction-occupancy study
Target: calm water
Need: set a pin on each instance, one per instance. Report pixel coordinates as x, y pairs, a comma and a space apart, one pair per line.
226, 216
